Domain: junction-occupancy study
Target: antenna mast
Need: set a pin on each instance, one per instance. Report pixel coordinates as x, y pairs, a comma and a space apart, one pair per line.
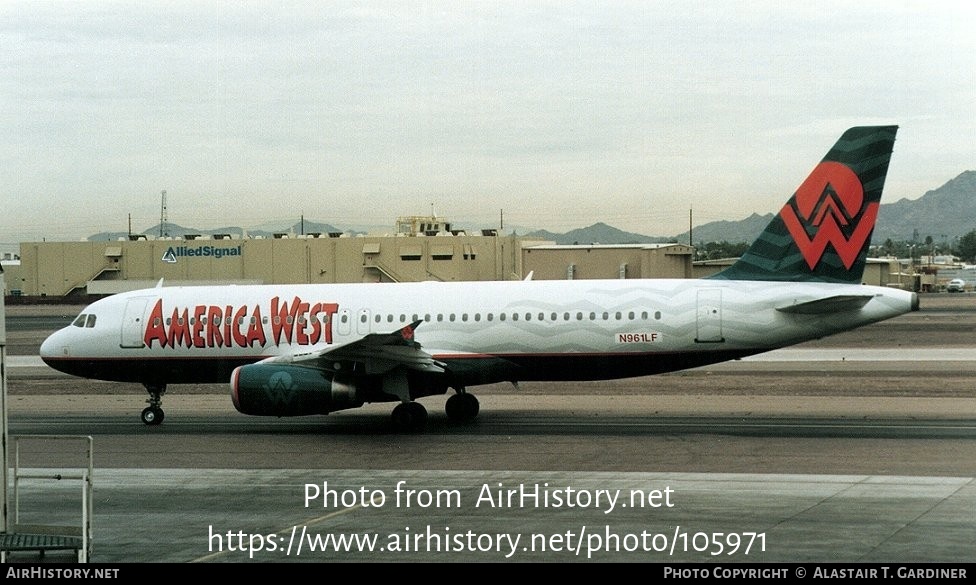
162, 216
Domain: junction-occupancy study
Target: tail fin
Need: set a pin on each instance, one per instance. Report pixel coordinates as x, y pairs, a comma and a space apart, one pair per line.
824, 230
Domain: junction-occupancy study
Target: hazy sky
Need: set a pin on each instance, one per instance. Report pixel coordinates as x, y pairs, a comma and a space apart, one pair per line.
560, 113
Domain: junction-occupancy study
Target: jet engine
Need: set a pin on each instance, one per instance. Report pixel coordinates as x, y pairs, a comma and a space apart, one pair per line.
289, 390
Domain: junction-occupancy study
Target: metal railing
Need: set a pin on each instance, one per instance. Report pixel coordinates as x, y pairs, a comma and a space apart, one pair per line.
45, 537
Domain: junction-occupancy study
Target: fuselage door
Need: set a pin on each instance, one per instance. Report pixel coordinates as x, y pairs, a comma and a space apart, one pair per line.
133, 323
709, 316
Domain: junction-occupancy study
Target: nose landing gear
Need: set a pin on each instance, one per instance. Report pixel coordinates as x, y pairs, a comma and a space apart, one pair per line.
153, 414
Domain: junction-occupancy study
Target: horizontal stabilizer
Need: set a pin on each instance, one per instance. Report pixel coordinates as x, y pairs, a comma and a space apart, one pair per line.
836, 304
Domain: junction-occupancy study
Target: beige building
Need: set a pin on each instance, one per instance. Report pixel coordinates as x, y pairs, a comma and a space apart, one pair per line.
65, 269
11, 269
555, 262
69, 268
421, 248
418, 251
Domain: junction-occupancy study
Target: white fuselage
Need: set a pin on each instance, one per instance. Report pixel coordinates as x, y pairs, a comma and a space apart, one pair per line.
484, 331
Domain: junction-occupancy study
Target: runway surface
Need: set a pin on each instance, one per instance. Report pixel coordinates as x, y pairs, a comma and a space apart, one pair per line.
854, 448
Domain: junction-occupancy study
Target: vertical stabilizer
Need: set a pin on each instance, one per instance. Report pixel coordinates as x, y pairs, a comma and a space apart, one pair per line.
823, 232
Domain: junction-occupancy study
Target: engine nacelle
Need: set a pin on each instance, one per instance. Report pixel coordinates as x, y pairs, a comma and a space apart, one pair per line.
288, 390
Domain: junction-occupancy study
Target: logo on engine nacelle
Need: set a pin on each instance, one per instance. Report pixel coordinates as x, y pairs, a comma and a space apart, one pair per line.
280, 381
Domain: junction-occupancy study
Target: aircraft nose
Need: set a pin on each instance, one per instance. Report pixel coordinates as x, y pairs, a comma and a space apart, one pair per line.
53, 347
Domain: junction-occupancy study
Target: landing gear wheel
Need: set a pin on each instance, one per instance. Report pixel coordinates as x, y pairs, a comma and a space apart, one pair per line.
462, 407
409, 417
152, 415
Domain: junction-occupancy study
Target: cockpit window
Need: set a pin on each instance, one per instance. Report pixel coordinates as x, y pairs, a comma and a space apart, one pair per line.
84, 320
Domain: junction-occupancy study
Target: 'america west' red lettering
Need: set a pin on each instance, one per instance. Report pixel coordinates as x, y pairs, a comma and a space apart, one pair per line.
296, 322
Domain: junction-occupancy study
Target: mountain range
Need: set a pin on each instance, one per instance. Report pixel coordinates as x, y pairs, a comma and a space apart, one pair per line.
945, 213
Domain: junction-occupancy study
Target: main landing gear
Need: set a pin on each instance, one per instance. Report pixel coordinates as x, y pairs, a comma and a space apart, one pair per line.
411, 417
462, 407
153, 414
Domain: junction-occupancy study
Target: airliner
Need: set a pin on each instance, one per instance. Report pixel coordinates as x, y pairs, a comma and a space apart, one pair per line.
294, 350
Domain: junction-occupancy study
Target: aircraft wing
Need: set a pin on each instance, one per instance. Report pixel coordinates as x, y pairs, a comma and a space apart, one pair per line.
376, 353
834, 304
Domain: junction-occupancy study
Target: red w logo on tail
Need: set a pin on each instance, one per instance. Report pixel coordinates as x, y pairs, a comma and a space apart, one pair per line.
831, 197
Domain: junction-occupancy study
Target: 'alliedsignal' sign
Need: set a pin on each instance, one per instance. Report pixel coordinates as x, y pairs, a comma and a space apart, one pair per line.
175, 252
